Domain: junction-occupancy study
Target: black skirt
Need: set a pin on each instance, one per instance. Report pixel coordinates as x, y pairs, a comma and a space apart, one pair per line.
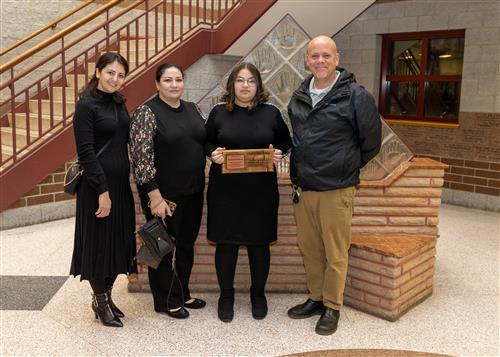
105, 247
242, 208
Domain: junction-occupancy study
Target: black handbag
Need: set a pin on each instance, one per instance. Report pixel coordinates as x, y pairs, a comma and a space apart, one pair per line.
157, 243
74, 173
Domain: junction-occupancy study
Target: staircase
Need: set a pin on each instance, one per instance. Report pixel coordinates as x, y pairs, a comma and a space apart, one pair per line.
36, 134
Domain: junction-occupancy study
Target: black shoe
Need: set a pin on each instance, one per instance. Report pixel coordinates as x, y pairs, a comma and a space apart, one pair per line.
182, 313
102, 311
327, 323
307, 309
259, 307
225, 309
114, 309
195, 304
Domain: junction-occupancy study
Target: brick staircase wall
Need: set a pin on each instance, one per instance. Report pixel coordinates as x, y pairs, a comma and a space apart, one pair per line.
407, 204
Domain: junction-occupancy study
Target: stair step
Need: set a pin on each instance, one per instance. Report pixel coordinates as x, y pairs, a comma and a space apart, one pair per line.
7, 136
57, 93
70, 79
57, 106
21, 121
141, 44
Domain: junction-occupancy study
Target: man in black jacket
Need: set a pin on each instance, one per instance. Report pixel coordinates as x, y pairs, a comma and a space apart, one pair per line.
336, 131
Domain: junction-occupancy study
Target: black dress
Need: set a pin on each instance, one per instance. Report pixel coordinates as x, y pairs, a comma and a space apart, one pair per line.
167, 148
104, 247
243, 208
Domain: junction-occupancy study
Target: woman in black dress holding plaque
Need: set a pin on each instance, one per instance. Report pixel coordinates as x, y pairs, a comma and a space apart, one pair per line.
243, 207
105, 216
167, 138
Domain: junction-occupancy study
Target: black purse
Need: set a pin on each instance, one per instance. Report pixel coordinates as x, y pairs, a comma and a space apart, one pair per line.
157, 243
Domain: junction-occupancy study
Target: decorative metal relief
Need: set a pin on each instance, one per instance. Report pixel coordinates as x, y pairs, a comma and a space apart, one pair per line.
280, 58
393, 153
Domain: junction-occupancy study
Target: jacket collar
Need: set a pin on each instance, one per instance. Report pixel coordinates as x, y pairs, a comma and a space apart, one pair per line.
345, 79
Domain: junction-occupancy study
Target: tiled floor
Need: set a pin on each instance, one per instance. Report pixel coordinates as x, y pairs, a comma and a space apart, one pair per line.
460, 318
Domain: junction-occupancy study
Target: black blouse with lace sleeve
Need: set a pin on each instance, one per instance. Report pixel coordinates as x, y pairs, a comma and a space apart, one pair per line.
142, 133
166, 147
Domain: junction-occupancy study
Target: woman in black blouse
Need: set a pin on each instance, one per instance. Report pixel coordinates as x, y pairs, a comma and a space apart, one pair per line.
243, 207
105, 218
167, 136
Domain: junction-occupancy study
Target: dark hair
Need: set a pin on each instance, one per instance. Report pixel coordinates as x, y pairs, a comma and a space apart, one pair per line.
109, 57
160, 70
229, 97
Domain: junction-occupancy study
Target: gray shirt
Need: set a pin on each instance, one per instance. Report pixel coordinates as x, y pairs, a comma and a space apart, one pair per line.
318, 94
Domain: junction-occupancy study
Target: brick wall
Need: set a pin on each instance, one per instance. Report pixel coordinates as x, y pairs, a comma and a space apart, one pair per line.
406, 203
386, 283
49, 190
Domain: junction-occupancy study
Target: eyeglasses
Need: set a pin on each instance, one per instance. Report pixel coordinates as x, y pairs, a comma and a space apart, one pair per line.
251, 82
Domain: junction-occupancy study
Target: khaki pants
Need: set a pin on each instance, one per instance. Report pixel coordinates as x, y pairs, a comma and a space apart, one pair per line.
324, 236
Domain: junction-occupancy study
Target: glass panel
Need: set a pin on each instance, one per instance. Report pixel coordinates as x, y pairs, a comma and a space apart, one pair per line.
401, 99
405, 57
442, 100
446, 56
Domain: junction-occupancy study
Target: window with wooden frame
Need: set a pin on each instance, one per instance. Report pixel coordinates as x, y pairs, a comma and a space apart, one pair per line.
421, 76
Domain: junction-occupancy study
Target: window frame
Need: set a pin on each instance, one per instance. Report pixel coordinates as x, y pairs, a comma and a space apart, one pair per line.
385, 79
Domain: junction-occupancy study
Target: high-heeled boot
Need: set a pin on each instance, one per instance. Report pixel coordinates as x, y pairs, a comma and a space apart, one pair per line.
114, 309
225, 309
102, 311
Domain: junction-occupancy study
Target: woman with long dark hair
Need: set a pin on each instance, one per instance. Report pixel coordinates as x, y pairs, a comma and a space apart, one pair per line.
105, 219
243, 207
167, 136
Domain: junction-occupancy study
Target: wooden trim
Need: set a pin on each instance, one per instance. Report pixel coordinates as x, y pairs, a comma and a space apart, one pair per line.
432, 124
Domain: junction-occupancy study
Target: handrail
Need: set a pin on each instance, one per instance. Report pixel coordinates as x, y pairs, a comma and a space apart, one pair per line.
57, 36
52, 25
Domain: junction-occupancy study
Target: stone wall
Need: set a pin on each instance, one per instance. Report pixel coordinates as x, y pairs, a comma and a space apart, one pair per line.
476, 140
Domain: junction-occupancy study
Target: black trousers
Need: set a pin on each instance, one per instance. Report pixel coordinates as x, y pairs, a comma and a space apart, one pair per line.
226, 258
184, 225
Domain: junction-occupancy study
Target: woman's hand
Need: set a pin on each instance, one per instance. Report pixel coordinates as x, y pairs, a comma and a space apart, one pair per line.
160, 209
217, 155
277, 155
104, 203
158, 206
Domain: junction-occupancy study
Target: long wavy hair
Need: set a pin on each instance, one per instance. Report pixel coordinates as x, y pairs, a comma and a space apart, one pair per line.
91, 88
229, 97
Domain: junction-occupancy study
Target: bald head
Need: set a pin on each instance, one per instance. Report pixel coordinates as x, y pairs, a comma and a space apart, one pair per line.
322, 40
322, 60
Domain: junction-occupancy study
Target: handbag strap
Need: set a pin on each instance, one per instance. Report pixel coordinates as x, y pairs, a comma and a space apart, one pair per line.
109, 141
175, 274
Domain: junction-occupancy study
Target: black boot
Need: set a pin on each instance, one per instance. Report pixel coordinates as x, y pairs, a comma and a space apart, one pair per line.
259, 304
102, 311
225, 309
114, 309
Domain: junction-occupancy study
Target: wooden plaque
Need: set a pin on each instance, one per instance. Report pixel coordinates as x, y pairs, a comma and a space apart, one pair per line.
245, 161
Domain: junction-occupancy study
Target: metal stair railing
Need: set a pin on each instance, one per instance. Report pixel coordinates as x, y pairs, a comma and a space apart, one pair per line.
142, 32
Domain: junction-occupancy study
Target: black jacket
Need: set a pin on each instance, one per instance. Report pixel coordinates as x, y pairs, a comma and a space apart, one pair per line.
337, 137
